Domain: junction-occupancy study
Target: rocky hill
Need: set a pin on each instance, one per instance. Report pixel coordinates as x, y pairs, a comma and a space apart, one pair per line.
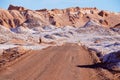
19, 16
96, 30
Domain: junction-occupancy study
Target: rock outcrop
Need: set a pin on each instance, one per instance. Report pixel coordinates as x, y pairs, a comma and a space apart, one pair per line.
19, 16
12, 7
11, 18
11, 54
103, 14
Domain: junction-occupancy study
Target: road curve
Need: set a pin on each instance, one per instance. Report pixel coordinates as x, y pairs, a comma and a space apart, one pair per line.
65, 62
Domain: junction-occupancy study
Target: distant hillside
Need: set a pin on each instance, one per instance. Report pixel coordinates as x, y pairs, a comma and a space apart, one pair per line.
19, 16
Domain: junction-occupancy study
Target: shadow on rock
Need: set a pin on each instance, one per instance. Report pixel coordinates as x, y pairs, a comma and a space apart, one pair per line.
98, 65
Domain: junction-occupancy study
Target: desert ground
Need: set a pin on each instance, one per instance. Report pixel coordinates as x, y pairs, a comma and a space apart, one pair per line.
66, 62
59, 44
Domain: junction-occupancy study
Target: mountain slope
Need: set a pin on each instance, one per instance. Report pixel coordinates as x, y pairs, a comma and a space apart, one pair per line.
20, 16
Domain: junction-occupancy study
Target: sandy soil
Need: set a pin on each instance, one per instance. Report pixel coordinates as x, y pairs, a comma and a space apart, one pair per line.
67, 62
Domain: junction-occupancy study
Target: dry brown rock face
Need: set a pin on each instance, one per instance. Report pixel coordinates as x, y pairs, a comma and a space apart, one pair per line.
11, 54
104, 22
11, 7
11, 18
6, 18
17, 16
103, 14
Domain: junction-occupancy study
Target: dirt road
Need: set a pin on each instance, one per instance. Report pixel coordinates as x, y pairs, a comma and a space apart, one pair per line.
65, 62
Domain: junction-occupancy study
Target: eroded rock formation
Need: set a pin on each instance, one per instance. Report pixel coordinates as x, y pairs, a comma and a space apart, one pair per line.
20, 16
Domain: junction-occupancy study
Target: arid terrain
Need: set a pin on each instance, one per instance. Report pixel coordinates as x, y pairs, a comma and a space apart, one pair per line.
59, 44
67, 62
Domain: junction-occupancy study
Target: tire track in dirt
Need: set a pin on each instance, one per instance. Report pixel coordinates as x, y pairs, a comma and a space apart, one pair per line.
65, 62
